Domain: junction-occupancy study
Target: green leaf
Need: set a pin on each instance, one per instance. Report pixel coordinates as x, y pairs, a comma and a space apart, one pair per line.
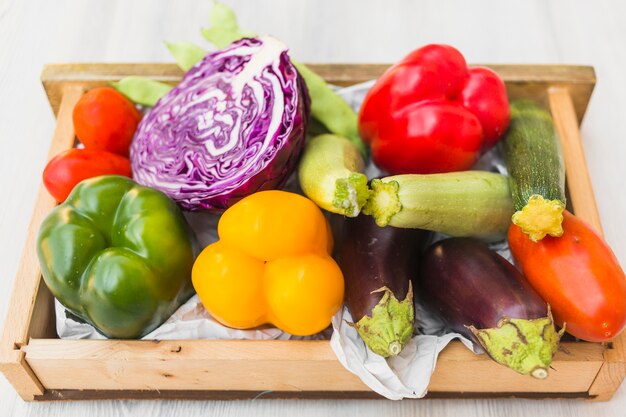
224, 28
329, 108
142, 90
326, 106
186, 54
223, 16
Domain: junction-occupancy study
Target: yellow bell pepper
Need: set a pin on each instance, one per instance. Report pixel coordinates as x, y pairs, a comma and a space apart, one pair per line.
272, 264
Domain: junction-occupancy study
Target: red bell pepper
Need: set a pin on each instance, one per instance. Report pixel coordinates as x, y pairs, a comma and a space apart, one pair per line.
431, 113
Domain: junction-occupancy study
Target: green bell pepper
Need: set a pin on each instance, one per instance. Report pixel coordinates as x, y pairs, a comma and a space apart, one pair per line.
118, 255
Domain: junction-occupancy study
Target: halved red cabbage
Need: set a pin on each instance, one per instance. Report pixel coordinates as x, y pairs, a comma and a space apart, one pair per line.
234, 125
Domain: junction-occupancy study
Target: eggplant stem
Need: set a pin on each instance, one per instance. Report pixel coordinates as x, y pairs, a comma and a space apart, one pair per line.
539, 373
526, 346
390, 326
395, 348
384, 289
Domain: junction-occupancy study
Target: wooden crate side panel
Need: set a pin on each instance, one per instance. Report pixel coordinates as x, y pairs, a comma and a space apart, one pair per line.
30, 308
577, 173
43, 320
573, 371
192, 365
20, 375
608, 380
84, 395
613, 370
523, 81
276, 365
584, 204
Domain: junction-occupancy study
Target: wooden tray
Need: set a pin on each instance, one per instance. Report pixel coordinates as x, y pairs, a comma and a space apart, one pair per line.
42, 367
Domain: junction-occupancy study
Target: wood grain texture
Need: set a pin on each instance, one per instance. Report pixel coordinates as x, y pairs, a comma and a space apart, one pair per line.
613, 371
532, 31
522, 81
29, 315
85, 395
222, 365
577, 173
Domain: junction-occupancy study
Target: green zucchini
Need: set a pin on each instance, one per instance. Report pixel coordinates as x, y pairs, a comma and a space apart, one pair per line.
468, 203
330, 174
536, 171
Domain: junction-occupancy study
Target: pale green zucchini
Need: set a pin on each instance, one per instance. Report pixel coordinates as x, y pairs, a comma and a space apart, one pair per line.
330, 175
468, 203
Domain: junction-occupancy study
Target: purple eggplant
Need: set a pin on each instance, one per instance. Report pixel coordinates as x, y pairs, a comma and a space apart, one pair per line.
378, 264
482, 296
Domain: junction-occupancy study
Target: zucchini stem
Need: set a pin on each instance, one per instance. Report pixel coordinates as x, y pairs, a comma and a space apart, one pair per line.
330, 175
384, 202
351, 194
540, 217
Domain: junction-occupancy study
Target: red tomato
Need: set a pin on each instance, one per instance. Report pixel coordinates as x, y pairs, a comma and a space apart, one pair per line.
106, 120
578, 275
69, 168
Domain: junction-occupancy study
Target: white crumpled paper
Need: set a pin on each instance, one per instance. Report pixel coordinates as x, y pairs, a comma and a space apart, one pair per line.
190, 321
404, 376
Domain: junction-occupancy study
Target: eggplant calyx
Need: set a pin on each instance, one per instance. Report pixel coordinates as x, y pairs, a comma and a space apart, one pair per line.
351, 194
390, 326
384, 202
540, 217
525, 346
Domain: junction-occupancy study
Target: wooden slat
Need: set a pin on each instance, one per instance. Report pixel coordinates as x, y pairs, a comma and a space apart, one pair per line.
204, 395
83, 395
193, 365
276, 365
30, 310
578, 180
19, 374
612, 373
459, 370
523, 81
613, 370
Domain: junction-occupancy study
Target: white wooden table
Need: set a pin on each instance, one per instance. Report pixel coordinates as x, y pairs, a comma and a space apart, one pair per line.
33, 33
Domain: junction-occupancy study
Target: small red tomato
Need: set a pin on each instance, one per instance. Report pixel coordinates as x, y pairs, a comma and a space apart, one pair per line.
106, 120
69, 168
578, 275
